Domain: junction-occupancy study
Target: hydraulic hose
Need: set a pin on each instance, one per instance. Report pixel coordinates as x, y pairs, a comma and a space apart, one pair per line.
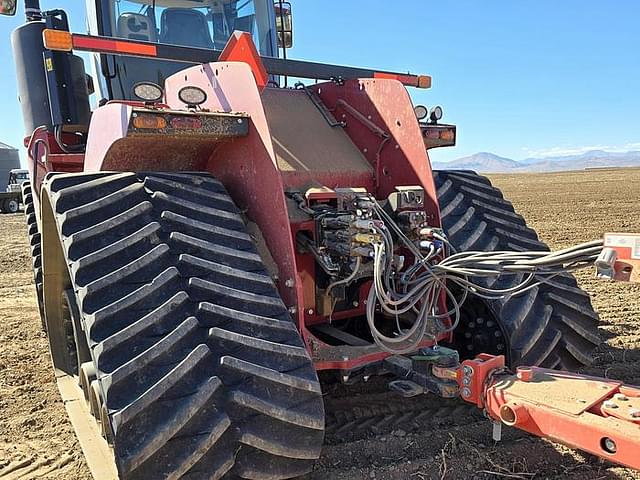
415, 293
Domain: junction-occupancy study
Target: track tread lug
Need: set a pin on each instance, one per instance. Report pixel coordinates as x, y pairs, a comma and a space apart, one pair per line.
553, 324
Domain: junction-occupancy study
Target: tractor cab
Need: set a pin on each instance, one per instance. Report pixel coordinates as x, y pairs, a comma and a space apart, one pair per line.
206, 24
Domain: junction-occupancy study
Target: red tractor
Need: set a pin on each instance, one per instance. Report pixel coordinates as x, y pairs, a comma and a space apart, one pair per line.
207, 242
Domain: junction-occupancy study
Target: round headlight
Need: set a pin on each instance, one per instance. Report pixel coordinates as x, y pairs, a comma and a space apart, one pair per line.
436, 114
421, 112
147, 91
192, 96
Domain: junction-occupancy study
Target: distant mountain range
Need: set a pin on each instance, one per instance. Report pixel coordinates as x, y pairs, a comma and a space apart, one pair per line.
491, 163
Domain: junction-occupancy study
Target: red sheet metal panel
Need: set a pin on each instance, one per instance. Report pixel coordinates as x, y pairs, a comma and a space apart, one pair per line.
247, 165
381, 122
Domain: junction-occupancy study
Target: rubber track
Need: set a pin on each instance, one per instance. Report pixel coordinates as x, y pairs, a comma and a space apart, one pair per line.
553, 325
34, 247
200, 365
353, 418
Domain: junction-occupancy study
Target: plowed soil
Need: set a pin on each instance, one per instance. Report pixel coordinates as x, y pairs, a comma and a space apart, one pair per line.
37, 441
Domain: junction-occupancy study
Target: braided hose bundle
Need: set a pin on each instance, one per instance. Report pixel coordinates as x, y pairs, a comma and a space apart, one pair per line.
418, 290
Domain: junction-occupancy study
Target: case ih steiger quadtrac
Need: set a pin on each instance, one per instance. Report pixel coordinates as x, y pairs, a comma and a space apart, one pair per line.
207, 242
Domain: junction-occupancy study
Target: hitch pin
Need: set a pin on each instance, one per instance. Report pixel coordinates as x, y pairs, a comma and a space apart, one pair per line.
497, 431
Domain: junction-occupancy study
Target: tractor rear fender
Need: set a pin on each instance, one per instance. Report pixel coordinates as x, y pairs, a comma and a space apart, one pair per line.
247, 166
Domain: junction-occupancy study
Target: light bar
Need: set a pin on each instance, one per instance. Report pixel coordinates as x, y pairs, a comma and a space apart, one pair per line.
273, 65
112, 45
418, 81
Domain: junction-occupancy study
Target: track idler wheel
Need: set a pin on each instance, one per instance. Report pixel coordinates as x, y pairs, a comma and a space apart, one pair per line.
95, 400
86, 378
105, 425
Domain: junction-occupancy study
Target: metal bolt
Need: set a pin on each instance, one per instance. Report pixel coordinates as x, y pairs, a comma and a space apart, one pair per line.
293, 310
366, 378
635, 413
356, 304
310, 311
610, 404
609, 445
289, 283
240, 121
466, 392
621, 396
467, 370
466, 380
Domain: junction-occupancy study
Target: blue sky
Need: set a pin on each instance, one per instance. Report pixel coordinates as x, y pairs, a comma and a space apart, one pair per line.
519, 78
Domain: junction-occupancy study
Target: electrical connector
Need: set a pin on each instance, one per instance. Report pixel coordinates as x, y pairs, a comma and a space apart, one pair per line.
605, 263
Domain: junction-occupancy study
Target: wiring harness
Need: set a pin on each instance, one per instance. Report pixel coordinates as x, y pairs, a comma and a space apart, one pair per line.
415, 292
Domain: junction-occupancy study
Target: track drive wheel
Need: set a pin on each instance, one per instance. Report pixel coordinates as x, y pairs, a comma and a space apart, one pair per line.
35, 247
553, 325
201, 372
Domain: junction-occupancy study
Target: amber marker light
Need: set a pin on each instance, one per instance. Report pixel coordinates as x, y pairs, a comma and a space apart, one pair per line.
149, 122
57, 40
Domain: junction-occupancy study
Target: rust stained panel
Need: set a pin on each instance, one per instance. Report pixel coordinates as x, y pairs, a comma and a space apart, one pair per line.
155, 153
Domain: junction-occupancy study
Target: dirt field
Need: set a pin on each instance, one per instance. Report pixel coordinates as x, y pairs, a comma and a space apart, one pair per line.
36, 441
